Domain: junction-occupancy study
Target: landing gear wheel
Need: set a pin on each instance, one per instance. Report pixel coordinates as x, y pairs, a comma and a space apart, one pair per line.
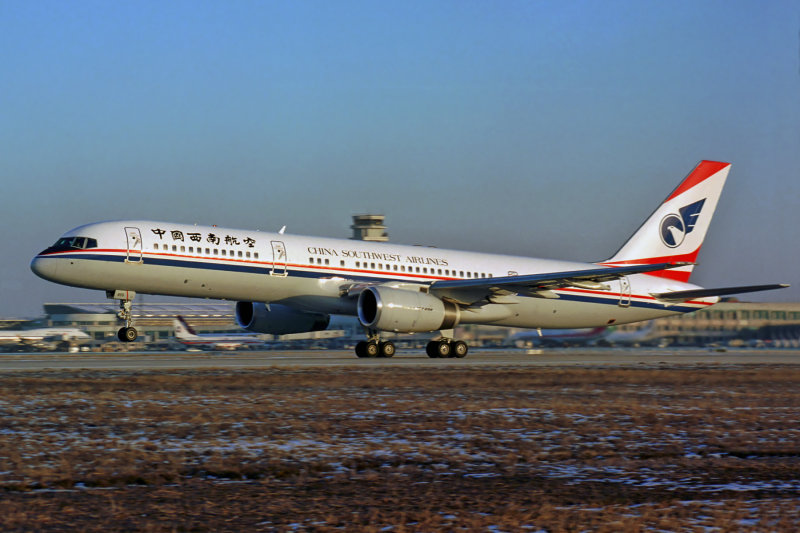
371, 349
430, 349
127, 334
460, 349
386, 349
443, 349
361, 349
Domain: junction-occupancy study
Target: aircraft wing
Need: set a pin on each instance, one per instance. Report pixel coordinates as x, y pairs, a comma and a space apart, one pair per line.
469, 291
684, 296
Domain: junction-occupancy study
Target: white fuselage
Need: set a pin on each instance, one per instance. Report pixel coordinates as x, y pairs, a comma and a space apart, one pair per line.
26, 336
315, 273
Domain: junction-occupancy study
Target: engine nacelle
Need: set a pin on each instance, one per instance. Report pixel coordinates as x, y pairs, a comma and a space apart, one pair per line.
277, 319
406, 311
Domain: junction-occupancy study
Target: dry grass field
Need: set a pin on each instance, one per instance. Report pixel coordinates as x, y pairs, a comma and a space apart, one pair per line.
713, 448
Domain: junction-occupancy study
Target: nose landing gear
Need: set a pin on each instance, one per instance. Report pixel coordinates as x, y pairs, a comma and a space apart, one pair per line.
127, 333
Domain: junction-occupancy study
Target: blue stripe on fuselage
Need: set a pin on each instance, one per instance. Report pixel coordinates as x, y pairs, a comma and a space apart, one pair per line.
267, 268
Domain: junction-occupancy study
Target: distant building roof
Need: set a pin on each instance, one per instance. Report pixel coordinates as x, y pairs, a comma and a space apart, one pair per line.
200, 309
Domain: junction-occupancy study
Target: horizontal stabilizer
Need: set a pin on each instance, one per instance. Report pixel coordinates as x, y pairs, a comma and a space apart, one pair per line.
683, 296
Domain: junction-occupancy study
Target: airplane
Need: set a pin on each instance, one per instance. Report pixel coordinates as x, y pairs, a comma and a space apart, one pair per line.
187, 336
46, 338
645, 335
291, 284
559, 337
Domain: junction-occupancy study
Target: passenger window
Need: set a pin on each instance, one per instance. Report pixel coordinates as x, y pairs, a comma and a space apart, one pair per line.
256, 255
174, 248
247, 254
223, 252
240, 253
341, 263
417, 270
216, 251
183, 248
358, 264
191, 249
155, 246
327, 262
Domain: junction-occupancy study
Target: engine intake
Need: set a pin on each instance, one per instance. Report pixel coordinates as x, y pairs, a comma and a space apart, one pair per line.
405, 311
277, 319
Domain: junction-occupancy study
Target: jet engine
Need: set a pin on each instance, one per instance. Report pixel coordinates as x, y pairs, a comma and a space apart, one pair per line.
277, 319
405, 310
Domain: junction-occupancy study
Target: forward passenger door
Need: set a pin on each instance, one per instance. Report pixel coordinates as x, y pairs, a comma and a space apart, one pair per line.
133, 238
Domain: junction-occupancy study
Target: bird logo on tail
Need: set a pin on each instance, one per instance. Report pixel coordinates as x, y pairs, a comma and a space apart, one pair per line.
675, 227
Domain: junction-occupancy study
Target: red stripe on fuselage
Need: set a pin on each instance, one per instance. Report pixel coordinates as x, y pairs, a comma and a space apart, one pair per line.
417, 277
615, 296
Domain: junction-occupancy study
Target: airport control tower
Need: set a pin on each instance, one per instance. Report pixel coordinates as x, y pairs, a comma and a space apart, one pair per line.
369, 228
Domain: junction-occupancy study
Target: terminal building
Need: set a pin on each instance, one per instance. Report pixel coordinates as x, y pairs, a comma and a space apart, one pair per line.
726, 323
155, 321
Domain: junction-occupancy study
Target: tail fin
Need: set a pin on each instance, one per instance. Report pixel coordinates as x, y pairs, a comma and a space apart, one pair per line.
182, 329
675, 231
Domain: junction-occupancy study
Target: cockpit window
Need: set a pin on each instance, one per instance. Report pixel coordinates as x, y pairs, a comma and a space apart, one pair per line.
74, 243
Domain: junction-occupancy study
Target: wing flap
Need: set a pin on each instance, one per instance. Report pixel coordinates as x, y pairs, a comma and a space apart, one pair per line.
472, 290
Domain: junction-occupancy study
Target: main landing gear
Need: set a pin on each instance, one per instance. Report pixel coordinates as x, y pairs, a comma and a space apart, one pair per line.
375, 348
443, 348
446, 348
127, 333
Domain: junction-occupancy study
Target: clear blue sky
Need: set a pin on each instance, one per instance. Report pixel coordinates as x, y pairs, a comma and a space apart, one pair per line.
548, 129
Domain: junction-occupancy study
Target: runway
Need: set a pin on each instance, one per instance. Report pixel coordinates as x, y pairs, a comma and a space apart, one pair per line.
341, 358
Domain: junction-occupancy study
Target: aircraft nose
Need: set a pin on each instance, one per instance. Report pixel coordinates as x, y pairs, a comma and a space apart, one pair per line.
45, 267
